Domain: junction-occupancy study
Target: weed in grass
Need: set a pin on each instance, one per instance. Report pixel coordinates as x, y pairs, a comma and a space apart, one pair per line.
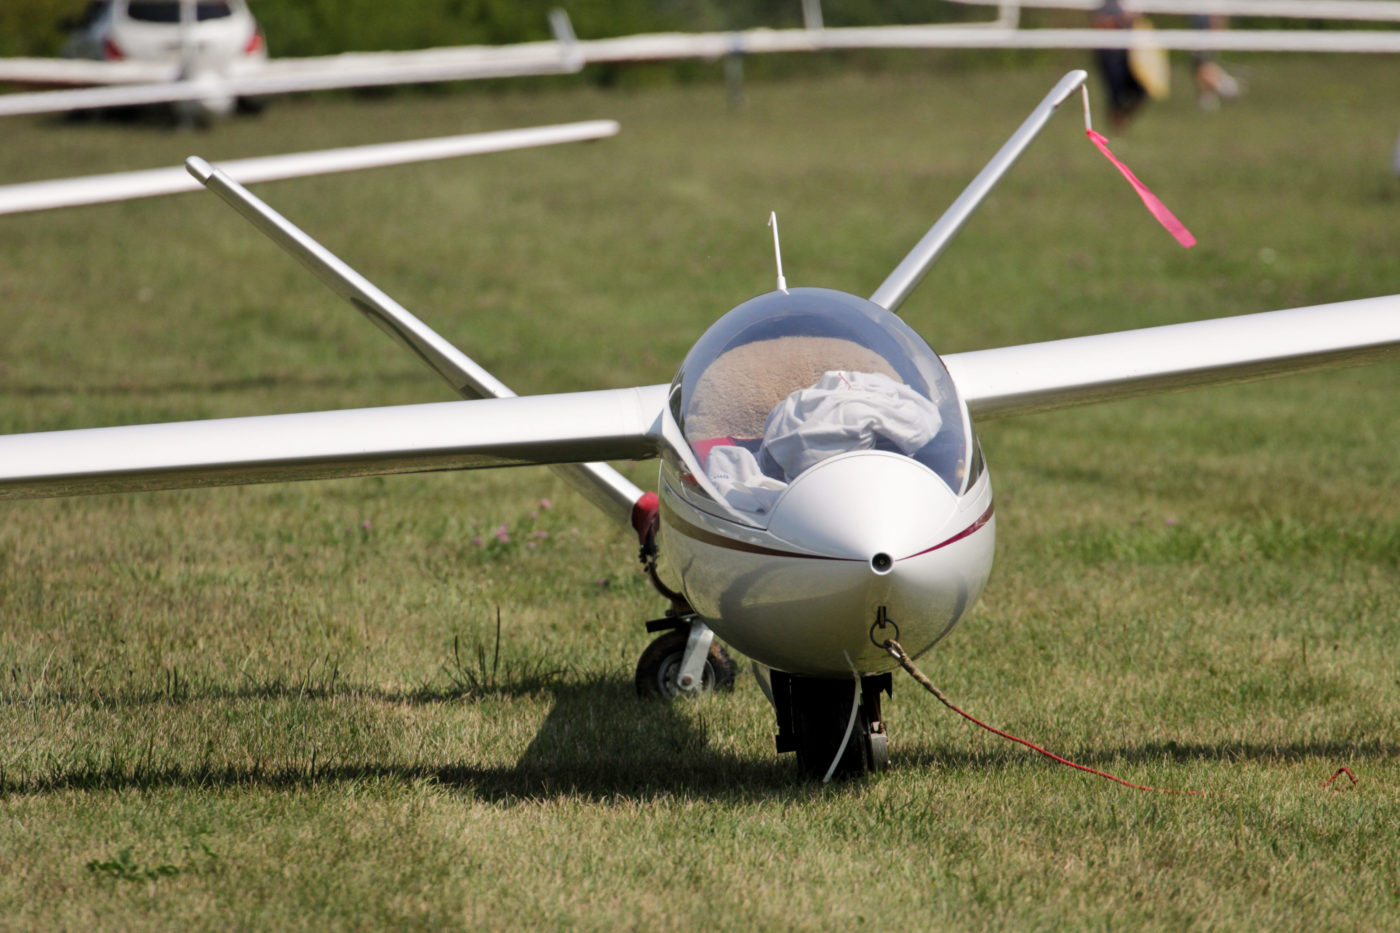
481, 679
525, 533
124, 866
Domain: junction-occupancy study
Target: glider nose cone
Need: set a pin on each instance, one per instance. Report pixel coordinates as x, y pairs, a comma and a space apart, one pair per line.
870, 506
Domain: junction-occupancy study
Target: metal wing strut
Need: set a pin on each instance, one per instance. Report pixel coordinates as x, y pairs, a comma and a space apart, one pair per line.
601, 484
912, 269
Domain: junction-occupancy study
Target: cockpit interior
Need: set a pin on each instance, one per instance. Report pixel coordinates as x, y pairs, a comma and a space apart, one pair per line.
790, 379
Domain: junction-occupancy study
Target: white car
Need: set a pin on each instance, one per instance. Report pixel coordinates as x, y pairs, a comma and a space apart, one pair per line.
202, 37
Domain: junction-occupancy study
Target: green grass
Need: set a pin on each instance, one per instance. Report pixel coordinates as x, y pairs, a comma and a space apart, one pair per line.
281, 705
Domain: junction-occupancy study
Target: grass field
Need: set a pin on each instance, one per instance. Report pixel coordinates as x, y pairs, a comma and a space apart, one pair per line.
280, 706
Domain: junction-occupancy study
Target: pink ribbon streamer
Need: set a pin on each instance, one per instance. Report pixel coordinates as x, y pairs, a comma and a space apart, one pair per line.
1159, 210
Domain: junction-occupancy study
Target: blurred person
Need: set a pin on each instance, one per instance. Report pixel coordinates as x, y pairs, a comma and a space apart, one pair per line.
1125, 92
1213, 83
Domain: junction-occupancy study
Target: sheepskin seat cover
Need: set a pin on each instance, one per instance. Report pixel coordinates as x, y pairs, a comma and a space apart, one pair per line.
735, 395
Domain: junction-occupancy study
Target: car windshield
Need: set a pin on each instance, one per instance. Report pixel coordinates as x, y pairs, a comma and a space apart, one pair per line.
168, 11
787, 380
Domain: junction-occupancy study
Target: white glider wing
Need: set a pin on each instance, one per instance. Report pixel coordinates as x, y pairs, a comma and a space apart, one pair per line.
1362, 10
569, 432
84, 71
1081, 370
163, 84
568, 54
625, 423
542, 429
122, 186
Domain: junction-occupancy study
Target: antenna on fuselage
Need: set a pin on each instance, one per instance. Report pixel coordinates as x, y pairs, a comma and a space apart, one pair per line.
777, 251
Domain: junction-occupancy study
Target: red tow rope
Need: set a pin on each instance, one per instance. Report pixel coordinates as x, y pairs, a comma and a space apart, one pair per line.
897, 652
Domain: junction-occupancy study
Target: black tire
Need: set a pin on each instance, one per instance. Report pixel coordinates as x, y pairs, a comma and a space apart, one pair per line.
821, 725
817, 712
658, 669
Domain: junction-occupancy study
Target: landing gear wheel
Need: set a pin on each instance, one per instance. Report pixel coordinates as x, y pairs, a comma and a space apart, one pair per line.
813, 714
659, 669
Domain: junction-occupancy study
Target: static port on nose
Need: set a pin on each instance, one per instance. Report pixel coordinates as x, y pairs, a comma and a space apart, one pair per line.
881, 563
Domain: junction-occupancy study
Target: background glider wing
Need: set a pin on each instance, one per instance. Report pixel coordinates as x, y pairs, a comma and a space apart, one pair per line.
540, 429
122, 186
1372, 10
83, 71
568, 54
1080, 370
279, 76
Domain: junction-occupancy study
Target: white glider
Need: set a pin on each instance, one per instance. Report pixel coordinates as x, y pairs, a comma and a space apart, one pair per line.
879, 530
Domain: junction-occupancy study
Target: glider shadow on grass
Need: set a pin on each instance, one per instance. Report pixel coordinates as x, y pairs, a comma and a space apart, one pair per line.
597, 740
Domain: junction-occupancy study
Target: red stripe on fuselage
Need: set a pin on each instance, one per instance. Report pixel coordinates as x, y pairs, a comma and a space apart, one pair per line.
719, 540
986, 517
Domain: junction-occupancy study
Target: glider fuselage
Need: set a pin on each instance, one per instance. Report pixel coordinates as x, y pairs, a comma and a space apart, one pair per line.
819, 473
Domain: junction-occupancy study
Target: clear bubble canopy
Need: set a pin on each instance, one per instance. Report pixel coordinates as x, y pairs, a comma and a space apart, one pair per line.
789, 379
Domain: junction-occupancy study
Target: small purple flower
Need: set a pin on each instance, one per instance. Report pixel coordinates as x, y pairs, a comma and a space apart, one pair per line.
476, 539
365, 524
546, 504
502, 533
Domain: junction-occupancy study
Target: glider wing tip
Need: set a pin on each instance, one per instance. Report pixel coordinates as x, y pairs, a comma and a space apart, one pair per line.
200, 169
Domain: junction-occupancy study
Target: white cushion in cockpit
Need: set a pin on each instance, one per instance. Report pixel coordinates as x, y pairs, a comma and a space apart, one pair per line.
847, 411
736, 476
842, 412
